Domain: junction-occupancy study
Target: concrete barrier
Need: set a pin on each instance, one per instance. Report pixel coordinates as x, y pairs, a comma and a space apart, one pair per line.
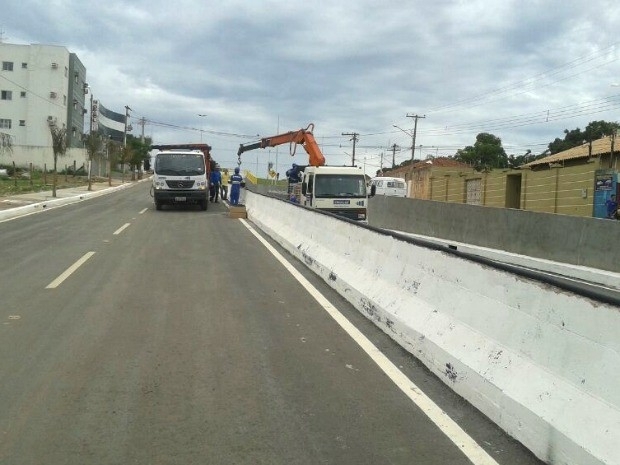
540, 362
569, 239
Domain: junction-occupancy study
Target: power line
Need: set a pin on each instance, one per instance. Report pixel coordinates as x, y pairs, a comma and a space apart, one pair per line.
531, 82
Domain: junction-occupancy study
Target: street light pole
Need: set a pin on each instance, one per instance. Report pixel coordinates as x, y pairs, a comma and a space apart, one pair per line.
413, 136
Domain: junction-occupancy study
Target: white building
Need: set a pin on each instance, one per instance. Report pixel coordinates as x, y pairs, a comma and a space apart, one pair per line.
41, 84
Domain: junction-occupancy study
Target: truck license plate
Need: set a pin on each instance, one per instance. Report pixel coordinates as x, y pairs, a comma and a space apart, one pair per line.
180, 199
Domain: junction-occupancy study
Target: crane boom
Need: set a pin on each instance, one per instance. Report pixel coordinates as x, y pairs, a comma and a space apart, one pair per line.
304, 137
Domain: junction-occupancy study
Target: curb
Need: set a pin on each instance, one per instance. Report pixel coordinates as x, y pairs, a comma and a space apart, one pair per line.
46, 205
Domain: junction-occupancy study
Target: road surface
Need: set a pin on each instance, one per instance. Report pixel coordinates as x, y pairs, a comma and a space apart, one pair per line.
132, 336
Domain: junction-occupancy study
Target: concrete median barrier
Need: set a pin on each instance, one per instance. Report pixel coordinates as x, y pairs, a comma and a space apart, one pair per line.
539, 361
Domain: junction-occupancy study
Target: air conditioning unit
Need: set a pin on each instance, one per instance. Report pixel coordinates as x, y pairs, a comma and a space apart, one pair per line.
53, 95
54, 65
50, 118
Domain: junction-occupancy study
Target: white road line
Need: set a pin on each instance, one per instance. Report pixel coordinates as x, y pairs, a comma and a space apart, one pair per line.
121, 229
144, 210
69, 271
472, 450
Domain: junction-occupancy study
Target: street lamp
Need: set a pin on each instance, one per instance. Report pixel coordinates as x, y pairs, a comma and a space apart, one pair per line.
412, 135
202, 116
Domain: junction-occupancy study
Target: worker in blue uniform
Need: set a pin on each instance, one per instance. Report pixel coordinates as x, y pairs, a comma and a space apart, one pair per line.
236, 183
215, 183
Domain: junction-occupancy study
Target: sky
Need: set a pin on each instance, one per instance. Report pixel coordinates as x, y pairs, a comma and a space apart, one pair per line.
522, 70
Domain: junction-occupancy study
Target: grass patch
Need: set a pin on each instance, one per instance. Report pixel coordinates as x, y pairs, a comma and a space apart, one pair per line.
9, 186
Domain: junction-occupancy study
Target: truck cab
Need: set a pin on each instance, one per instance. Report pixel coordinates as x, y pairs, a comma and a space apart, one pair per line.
340, 190
180, 177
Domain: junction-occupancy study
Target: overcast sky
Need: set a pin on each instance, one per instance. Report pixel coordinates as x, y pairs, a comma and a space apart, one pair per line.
521, 70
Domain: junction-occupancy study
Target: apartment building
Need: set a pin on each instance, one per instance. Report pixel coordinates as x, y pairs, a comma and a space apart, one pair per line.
39, 85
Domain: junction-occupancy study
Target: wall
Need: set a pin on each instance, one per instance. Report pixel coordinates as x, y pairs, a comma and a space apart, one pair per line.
566, 189
569, 239
42, 157
539, 361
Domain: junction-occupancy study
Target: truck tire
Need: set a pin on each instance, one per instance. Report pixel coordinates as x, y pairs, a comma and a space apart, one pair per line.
204, 204
157, 205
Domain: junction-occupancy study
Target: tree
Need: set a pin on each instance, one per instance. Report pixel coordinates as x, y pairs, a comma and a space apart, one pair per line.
576, 137
124, 156
113, 149
486, 153
139, 152
59, 146
94, 144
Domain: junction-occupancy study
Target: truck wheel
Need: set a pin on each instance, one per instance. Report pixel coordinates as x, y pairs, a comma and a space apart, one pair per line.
157, 205
204, 204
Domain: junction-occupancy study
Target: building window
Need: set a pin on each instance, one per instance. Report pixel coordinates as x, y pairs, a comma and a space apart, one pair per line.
22, 94
6, 95
5, 123
22, 122
24, 65
64, 100
7, 66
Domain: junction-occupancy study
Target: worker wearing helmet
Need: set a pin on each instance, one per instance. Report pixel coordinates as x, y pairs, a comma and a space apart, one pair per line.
294, 174
236, 182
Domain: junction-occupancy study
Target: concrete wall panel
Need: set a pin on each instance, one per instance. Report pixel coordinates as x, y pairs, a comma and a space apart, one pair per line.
537, 360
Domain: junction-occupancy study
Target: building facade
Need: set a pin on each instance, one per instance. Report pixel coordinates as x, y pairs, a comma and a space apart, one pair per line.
41, 85
575, 182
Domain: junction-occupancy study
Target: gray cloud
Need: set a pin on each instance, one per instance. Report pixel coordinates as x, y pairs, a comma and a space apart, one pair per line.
263, 66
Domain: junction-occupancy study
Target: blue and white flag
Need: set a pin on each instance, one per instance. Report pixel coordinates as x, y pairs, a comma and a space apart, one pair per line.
110, 123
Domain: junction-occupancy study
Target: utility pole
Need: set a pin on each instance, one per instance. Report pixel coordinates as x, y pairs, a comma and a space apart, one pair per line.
127, 110
354, 139
92, 115
395, 148
142, 122
415, 130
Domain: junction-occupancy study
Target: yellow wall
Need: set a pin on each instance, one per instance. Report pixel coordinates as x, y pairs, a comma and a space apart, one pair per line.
566, 190
561, 190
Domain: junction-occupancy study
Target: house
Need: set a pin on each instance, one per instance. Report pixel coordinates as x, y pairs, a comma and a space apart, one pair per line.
575, 182
423, 177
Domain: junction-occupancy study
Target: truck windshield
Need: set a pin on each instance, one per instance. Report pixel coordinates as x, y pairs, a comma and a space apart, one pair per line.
179, 164
339, 185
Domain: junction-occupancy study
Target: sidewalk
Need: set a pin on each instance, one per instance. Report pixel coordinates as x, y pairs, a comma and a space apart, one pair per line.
32, 202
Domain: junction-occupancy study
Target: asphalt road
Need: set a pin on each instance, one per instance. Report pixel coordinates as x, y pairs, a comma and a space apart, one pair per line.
131, 336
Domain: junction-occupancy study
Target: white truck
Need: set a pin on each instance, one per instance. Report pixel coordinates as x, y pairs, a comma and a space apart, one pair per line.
340, 190
180, 176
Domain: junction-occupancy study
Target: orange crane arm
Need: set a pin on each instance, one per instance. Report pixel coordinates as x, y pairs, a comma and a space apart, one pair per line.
301, 136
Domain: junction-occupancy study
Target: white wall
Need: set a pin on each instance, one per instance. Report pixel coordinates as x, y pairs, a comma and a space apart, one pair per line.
43, 157
38, 79
540, 362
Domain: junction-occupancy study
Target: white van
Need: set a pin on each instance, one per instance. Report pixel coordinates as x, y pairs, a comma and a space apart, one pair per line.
394, 187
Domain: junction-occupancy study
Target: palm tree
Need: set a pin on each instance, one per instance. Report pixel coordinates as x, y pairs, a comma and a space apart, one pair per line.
59, 145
